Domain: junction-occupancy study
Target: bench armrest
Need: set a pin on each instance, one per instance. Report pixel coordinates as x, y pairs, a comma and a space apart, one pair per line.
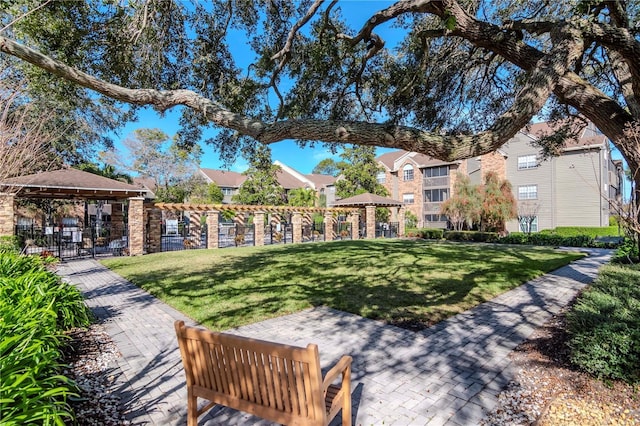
343, 366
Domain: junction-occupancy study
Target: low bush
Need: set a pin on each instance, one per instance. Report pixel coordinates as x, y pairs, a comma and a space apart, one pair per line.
627, 252
579, 231
430, 233
551, 239
476, 236
604, 325
36, 307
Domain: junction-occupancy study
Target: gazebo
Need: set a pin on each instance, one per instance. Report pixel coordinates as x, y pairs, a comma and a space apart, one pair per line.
73, 184
369, 202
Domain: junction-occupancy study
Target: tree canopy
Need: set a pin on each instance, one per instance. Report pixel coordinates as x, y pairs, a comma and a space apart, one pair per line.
261, 186
450, 79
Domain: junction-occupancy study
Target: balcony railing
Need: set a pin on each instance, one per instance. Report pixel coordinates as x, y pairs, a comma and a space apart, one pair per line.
432, 208
435, 181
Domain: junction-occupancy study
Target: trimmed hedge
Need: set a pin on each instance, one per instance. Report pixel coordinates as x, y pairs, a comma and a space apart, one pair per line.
426, 233
36, 307
604, 325
546, 239
475, 236
579, 231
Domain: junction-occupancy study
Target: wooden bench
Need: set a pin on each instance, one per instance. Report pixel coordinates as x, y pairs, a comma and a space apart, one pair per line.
273, 381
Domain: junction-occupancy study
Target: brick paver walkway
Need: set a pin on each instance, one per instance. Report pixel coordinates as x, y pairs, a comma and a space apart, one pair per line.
448, 374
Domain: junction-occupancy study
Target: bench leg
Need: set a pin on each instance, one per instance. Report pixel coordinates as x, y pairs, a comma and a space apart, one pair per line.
192, 410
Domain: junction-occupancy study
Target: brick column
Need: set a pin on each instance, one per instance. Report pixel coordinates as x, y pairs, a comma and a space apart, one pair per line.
296, 222
354, 219
258, 225
155, 230
371, 221
401, 224
329, 235
212, 229
136, 226
7, 227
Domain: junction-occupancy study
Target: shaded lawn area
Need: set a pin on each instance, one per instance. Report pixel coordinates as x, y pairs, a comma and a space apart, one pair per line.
408, 283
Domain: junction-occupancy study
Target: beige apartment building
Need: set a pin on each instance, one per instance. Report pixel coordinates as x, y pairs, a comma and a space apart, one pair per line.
576, 188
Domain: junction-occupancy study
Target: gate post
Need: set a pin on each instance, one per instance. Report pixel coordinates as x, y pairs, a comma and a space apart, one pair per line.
401, 224
7, 202
155, 230
329, 235
296, 222
136, 226
354, 219
212, 229
371, 221
258, 228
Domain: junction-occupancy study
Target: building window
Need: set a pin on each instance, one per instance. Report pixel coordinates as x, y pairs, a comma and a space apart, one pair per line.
436, 171
381, 177
227, 191
528, 192
527, 162
407, 172
435, 218
436, 195
407, 198
529, 224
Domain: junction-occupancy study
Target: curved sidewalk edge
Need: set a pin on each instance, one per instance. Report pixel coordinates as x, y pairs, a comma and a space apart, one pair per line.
449, 374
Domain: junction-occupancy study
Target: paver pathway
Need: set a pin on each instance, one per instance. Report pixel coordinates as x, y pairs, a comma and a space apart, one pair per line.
448, 374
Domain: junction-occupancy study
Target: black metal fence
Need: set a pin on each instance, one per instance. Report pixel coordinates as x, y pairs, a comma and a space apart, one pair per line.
343, 230
183, 235
278, 234
387, 230
73, 241
236, 235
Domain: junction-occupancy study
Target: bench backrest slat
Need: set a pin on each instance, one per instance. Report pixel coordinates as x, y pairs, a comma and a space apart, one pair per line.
285, 380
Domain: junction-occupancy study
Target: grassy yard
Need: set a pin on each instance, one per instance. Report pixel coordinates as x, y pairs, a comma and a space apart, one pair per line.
407, 283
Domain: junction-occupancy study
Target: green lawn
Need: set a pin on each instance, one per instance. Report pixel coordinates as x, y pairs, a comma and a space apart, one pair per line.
407, 283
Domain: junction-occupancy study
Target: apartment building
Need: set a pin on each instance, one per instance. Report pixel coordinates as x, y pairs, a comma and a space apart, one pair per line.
230, 182
576, 188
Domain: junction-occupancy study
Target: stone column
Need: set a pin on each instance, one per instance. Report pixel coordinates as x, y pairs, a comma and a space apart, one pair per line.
258, 226
371, 221
117, 219
212, 229
329, 235
7, 226
296, 222
401, 224
155, 230
195, 228
136, 226
354, 220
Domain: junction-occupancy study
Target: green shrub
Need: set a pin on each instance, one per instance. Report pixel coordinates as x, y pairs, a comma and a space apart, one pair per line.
543, 238
9, 244
591, 231
430, 233
35, 308
627, 252
604, 326
476, 236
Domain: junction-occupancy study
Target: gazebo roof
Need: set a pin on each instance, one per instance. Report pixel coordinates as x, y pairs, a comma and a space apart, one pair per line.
71, 183
367, 199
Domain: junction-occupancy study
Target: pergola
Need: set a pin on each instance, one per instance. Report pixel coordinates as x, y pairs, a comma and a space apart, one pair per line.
369, 202
73, 184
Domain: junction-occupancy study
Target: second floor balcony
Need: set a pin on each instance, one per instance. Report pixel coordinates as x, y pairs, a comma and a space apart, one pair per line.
439, 181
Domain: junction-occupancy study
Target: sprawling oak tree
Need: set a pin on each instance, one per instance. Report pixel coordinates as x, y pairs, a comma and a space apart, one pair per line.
456, 79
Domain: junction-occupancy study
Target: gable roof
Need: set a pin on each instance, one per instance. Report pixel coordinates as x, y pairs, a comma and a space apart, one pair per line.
589, 135
395, 159
73, 183
224, 178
